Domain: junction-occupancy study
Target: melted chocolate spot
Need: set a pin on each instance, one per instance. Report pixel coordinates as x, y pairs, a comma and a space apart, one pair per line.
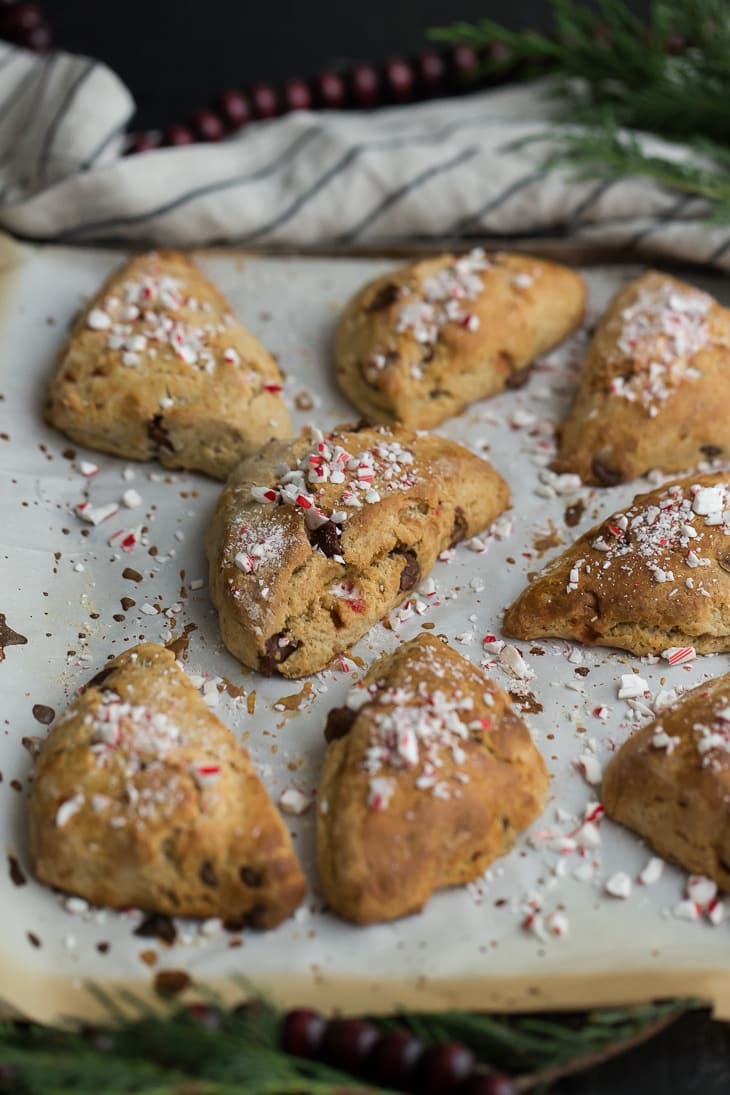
44, 715
98, 679
157, 926
327, 539
385, 296
411, 573
207, 874
251, 877
458, 532
574, 513
158, 435
723, 561
711, 451
8, 637
277, 652
518, 378
16, 872
171, 982
607, 477
339, 721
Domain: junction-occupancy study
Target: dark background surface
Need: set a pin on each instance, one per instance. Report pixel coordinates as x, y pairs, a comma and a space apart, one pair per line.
175, 57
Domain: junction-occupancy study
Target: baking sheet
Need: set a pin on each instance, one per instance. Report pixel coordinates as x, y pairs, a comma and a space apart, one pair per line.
61, 584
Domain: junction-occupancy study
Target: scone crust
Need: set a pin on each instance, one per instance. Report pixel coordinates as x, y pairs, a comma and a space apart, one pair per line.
201, 402
382, 859
137, 816
292, 607
644, 588
393, 371
671, 785
655, 385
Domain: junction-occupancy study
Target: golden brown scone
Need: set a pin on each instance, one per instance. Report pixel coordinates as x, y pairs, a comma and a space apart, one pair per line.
652, 577
654, 387
421, 343
158, 366
312, 542
142, 797
670, 782
429, 777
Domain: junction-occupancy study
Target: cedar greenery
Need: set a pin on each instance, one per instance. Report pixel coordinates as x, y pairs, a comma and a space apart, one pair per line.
240, 1051
668, 76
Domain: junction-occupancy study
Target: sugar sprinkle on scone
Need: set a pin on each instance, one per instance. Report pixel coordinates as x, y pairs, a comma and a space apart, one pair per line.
654, 390
421, 343
157, 366
670, 782
314, 541
654, 576
429, 776
143, 798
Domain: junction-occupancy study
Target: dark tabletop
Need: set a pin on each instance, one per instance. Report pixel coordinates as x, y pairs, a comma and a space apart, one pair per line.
175, 56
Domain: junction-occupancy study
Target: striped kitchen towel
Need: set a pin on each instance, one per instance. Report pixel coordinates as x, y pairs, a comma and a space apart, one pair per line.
446, 168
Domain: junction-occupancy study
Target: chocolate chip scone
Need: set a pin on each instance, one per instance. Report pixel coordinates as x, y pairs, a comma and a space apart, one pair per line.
670, 782
142, 797
429, 776
314, 541
157, 366
653, 385
654, 576
421, 343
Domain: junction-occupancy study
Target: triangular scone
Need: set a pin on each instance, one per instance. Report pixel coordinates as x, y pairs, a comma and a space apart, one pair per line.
158, 366
654, 576
314, 541
670, 782
421, 343
142, 797
654, 391
429, 776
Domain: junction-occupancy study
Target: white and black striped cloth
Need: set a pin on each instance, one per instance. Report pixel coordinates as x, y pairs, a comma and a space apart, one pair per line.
447, 168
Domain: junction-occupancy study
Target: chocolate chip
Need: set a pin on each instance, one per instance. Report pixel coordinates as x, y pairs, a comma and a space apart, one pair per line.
98, 679
43, 714
338, 724
607, 477
171, 982
723, 561
132, 575
158, 435
327, 539
257, 917
411, 574
518, 378
459, 530
279, 647
252, 877
157, 926
711, 451
385, 296
574, 513
16, 872
207, 874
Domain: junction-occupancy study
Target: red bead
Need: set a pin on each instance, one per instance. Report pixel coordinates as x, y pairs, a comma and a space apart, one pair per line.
488, 1083
394, 1058
265, 100
207, 126
443, 1067
464, 62
21, 17
303, 1032
348, 1042
296, 95
399, 79
142, 142
177, 135
430, 71
365, 83
234, 108
329, 91
205, 1015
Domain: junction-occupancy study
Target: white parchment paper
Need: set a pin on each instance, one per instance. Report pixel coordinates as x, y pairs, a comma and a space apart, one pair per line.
61, 584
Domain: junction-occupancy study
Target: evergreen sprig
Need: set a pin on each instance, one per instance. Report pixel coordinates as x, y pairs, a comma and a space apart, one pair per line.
669, 75
227, 1053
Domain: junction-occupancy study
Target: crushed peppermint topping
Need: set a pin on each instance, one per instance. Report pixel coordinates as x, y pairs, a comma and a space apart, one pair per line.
439, 299
661, 333
387, 462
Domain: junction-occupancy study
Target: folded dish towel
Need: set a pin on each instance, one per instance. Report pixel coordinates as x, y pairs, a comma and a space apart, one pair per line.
447, 168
